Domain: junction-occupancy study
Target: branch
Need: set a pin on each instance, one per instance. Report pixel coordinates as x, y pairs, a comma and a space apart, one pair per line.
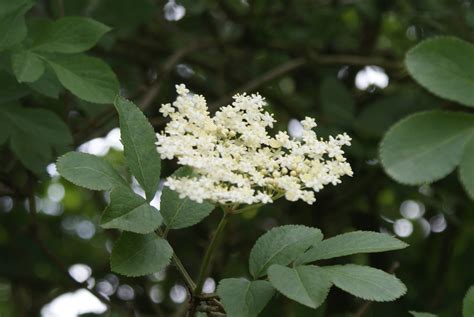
355, 60
296, 63
166, 69
252, 85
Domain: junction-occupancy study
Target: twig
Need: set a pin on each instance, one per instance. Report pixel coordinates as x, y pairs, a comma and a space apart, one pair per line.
252, 85
208, 308
181, 269
205, 265
366, 305
166, 69
355, 60
296, 63
210, 253
213, 310
207, 296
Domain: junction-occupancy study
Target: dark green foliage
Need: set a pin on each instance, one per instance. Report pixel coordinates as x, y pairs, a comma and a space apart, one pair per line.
62, 65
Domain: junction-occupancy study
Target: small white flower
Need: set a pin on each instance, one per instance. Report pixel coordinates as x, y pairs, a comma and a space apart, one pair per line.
308, 123
166, 109
182, 90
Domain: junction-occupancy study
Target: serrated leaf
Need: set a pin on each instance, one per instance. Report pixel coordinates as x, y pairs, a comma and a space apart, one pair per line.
307, 284
69, 35
466, 168
281, 245
426, 146
443, 66
468, 303
138, 138
366, 282
12, 22
181, 213
337, 102
35, 136
88, 78
128, 211
27, 66
136, 254
351, 243
417, 314
89, 171
243, 298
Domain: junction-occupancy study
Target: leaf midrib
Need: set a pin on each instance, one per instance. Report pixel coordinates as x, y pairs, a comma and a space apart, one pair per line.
276, 253
304, 286
138, 158
377, 286
112, 179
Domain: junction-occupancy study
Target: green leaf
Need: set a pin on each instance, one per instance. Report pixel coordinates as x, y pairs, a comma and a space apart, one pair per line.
443, 65
69, 35
12, 22
47, 85
243, 298
466, 168
11, 89
468, 303
337, 102
281, 245
87, 77
136, 255
426, 146
89, 171
417, 314
138, 138
36, 135
366, 282
307, 285
351, 243
181, 213
128, 211
26, 65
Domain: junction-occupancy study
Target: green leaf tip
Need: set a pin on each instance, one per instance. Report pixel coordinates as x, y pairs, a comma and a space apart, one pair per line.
130, 212
281, 245
137, 255
89, 171
138, 138
351, 243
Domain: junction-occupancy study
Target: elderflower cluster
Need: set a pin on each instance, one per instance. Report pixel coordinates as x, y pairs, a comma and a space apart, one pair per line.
236, 161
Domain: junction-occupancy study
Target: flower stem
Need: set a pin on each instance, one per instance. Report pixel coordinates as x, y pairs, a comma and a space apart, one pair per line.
179, 265
209, 254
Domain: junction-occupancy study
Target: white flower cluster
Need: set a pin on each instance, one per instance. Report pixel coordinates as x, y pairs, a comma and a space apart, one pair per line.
236, 161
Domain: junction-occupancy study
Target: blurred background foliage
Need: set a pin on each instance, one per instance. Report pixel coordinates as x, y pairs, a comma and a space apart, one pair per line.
340, 61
